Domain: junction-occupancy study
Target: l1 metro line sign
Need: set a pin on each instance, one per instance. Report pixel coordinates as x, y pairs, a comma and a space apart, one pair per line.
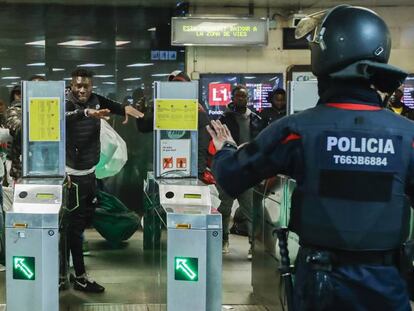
219, 94
219, 31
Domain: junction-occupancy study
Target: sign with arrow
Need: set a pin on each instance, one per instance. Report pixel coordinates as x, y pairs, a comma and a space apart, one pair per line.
186, 269
24, 268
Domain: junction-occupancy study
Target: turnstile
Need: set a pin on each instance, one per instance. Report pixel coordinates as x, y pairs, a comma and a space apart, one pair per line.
194, 241
32, 224
32, 243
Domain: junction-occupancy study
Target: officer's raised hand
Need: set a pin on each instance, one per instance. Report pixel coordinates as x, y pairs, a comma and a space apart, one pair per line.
220, 134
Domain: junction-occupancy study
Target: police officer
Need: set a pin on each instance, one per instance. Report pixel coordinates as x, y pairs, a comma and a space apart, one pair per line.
353, 162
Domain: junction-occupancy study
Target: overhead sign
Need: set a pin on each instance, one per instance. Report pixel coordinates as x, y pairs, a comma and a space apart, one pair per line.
23, 268
219, 31
186, 269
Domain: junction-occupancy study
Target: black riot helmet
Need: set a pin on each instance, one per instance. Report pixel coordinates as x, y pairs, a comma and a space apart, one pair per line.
344, 35
350, 42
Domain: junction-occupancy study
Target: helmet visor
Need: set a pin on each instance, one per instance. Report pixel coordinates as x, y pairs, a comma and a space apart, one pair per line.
310, 26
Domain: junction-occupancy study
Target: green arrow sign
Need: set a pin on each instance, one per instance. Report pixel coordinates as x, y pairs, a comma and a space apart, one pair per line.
24, 268
186, 269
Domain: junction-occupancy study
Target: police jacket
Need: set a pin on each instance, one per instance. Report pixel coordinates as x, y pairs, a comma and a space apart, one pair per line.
353, 163
229, 118
83, 133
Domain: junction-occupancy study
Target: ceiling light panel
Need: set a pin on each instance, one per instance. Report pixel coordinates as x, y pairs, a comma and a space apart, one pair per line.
10, 78
91, 65
38, 43
79, 43
36, 64
140, 65
132, 79
120, 43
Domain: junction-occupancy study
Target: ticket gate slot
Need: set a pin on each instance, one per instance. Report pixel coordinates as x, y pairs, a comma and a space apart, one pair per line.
32, 243
194, 241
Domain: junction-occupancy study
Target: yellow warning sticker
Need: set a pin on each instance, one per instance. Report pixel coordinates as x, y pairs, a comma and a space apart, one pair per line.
44, 119
176, 114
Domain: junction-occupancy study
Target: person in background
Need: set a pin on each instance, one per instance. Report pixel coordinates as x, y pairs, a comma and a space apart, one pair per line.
278, 109
353, 163
396, 105
83, 113
5, 138
244, 125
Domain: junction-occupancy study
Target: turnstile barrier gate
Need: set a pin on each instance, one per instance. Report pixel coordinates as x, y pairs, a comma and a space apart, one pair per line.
32, 243
32, 224
194, 241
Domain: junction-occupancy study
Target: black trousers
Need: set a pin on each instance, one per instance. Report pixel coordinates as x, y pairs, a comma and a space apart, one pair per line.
81, 206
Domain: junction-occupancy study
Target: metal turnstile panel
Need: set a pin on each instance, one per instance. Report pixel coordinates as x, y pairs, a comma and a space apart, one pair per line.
43, 143
194, 242
214, 269
176, 90
185, 294
40, 292
302, 95
32, 245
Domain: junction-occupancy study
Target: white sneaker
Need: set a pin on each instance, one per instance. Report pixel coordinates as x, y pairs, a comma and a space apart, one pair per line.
2, 268
225, 249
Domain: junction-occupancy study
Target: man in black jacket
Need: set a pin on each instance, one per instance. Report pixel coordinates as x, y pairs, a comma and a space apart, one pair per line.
83, 113
278, 109
353, 163
244, 125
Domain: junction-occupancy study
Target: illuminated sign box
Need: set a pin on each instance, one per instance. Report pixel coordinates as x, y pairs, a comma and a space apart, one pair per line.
186, 269
211, 31
24, 268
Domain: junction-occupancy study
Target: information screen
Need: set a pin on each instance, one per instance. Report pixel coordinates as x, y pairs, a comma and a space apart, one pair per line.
215, 90
408, 88
218, 31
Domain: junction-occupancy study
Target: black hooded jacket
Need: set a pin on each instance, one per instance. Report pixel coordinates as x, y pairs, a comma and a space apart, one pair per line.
83, 133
